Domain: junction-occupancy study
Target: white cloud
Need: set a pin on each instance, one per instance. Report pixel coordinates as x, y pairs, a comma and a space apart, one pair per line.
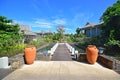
60, 21
42, 23
68, 29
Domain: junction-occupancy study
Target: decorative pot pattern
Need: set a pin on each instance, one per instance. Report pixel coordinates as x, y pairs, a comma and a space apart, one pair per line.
30, 54
92, 54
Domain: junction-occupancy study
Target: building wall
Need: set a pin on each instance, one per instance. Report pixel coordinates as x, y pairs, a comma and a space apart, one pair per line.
87, 32
93, 32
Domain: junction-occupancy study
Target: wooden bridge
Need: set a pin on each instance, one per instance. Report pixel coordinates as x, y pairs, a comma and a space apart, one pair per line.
62, 67
62, 54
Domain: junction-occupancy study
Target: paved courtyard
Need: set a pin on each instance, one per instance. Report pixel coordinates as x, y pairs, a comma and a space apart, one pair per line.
62, 67
62, 70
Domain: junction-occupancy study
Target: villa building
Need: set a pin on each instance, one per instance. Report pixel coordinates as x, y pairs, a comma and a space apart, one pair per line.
92, 29
44, 33
28, 34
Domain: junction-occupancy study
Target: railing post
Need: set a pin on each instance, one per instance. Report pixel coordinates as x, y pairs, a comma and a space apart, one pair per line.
73, 51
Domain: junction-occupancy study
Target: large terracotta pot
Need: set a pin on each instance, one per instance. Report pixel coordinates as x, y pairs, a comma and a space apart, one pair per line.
92, 54
30, 54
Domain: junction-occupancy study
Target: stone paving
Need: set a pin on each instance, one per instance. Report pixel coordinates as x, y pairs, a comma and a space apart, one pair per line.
62, 70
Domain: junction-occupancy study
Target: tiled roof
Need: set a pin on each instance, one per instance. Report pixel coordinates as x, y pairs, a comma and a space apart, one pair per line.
89, 25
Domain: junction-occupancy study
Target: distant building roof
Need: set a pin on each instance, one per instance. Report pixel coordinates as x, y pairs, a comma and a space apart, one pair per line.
25, 27
29, 33
45, 32
89, 25
26, 30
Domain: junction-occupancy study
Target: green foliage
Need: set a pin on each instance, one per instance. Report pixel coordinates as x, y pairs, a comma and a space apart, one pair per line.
79, 37
12, 50
111, 28
61, 30
111, 25
56, 37
7, 26
112, 41
68, 38
48, 38
52, 38
37, 43
9, 36
71, 38
78, 30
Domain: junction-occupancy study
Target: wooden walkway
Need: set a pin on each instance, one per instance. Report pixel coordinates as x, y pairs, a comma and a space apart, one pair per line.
62, 54
62, 69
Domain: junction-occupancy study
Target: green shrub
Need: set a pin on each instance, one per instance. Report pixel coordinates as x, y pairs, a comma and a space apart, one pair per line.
37, 43
12, 50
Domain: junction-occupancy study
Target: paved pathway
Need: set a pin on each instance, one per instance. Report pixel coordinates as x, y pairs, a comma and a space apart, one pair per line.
62, 70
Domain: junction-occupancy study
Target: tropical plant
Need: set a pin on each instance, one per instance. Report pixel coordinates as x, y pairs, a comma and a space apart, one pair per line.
9, 35
111, 25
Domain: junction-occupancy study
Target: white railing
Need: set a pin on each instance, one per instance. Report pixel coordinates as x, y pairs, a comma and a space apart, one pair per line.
53, 49
71, 49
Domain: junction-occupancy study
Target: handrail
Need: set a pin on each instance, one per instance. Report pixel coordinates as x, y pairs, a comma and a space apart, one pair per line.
53, 49
71, 49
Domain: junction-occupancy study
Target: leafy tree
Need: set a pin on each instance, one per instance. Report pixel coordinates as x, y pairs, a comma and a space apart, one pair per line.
111, 25
61, 30
9, 34
78, 30
70, 38
55, 37
7, 26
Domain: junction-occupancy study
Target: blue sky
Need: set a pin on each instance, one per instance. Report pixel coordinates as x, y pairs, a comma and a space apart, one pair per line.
47, 14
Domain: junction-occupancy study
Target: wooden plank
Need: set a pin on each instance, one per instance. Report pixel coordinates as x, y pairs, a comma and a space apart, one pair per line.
62, 54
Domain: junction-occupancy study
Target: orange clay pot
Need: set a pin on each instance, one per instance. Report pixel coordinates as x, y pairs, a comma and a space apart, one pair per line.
30, 54
92, 54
